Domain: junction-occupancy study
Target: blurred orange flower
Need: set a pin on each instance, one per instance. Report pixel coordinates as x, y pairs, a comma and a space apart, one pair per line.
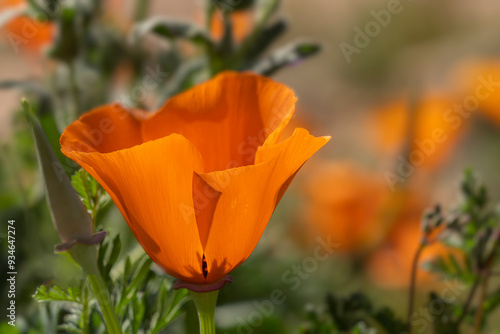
479, 83
198, 180
427, 133
23, 32
391, 265
347, 202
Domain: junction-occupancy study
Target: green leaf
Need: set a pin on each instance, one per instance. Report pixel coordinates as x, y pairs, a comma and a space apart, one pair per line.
109, 251
288, 55
265, 39
231, 5
171, 29
90, 191
55, 293
171, 309
265, 9
79, 181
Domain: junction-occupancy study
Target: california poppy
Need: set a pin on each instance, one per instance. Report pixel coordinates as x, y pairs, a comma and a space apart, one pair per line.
477, 81
24, 32
426, 130
346, 202
198, 180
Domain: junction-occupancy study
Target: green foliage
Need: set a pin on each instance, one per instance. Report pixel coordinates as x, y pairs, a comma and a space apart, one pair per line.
174, 30
472, 229
352, 314
92, 194
228, 54
55, 293
144, 300
67, 47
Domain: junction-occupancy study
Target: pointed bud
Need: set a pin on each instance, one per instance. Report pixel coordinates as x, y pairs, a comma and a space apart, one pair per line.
70, 217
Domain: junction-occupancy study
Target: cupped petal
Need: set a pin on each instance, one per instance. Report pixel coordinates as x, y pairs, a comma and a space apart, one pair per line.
152, 186
248, 198
105, 129
226, 118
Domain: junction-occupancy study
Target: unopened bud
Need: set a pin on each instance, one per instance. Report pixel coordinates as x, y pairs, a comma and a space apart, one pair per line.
70, 217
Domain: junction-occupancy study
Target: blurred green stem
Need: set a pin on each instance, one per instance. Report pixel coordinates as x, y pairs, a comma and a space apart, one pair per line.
414, 269
485, 274
85, 311
209, 12
205, 305
465, 309
261, 23
141, 9
75, 90
479, 312
102, 295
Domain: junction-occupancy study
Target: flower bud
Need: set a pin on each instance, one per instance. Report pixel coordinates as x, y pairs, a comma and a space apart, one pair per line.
70, 217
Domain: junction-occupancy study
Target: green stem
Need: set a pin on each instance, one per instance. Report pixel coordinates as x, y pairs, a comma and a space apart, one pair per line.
467, 303
209, 12
141, 10
478, 321
101, 293
259, 27
411, 298
75, 90
85, 311
205, 305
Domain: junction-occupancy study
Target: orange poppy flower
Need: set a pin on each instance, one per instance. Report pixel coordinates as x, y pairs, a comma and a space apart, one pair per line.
347, 202
429, 131
23, 32
198, 180
477, 81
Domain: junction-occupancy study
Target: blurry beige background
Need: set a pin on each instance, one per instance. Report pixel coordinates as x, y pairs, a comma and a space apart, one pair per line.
418, 48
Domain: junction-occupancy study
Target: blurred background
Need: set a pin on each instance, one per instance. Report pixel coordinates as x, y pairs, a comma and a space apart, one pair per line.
408, 90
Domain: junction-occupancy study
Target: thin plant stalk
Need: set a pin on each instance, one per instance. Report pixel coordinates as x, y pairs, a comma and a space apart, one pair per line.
411, 297
102, 295
205, 305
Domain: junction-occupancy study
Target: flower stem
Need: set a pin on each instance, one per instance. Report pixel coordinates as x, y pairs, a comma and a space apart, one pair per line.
411, 298
141, 9
75, 90
468, 302
205, 305
101, 293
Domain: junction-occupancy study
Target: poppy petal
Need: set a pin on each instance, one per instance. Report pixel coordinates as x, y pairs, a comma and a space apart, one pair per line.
105, 129
248, 197
153, 190
226, 119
